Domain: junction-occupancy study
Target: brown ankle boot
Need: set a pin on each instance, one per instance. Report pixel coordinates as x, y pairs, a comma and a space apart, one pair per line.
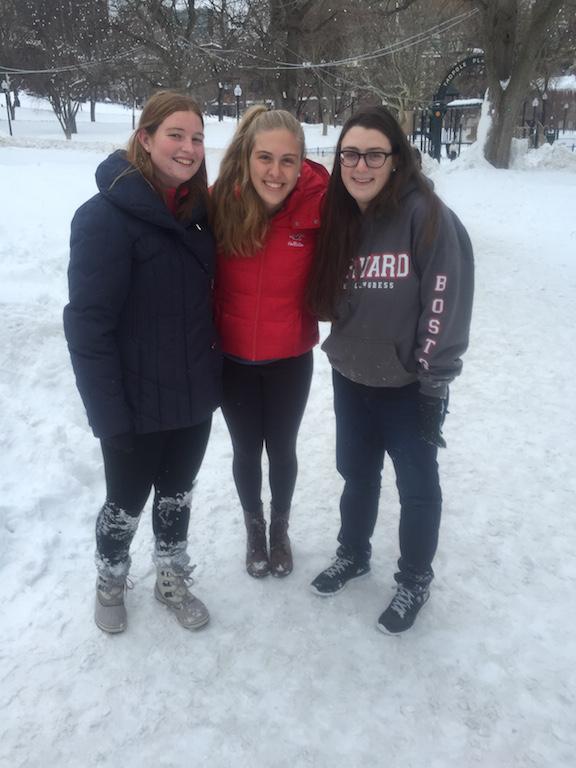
257, 562
280, 551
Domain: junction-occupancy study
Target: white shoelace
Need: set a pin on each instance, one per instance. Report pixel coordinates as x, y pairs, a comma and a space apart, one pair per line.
340, 564
114, 588
182, 581
402, 601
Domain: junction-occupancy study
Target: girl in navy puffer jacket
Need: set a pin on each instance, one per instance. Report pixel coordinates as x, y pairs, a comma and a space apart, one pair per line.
143, 345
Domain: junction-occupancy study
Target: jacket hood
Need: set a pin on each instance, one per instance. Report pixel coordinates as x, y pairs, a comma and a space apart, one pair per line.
125, 187
412, 187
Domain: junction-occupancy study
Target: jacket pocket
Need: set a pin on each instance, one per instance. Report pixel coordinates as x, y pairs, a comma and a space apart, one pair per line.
372, 362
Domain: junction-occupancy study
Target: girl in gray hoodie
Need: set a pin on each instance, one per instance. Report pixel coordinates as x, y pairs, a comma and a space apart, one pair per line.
394, 275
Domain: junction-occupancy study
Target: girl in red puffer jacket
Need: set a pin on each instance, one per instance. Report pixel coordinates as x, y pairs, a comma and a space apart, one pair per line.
266, 215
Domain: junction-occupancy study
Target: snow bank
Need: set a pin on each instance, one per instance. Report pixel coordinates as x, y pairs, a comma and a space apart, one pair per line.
547, 157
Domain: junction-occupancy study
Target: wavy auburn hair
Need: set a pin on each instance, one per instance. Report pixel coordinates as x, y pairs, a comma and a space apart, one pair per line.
339, 237
238, 215
160, 106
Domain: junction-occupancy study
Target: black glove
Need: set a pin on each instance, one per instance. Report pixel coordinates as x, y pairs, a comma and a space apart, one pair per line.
431, 414
123, 443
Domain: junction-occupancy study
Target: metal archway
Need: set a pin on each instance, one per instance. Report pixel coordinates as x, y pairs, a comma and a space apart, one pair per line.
438, 107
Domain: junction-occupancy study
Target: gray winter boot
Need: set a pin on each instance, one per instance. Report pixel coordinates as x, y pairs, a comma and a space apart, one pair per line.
257, 562
172, 589
110, 611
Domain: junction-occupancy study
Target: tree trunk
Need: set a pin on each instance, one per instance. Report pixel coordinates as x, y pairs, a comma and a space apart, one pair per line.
287, 24
506, 104
290, 76
92, 109
505, 108
509, 72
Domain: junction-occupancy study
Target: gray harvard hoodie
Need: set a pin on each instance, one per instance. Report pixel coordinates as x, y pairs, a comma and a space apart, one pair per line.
404, 315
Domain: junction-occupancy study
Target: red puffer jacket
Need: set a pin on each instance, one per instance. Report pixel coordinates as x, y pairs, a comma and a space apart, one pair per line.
259, 300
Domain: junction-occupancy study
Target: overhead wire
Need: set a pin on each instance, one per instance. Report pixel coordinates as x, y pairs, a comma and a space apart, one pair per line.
397, 47
68, 67
353, 60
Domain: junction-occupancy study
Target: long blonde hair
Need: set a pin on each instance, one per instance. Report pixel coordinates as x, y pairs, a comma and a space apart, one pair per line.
239, 216
159, 106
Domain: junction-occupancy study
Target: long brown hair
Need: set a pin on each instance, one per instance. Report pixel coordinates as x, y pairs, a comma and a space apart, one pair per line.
339, 236
160, 106
239, 217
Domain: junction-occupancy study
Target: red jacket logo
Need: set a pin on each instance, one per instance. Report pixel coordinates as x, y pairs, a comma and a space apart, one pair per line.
295, 240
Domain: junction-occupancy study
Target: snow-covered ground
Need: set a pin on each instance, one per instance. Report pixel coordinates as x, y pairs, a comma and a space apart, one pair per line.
280, 677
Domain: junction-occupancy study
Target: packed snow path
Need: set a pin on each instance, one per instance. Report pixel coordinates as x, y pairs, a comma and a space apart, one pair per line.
281, 677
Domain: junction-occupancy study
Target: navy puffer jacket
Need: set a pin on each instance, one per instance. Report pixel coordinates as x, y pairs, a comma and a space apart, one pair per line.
139, 322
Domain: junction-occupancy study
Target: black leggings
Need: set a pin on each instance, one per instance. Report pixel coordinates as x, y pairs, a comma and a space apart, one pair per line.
263, 404
166, 461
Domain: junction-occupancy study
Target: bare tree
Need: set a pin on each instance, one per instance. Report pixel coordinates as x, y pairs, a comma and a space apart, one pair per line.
289, 49
9, 39
58, 39
514, 37
416, 46
291, 24
320, 31
167, 32
231, 41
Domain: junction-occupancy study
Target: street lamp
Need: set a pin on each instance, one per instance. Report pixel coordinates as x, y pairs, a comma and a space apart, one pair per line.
237, 93
566, 108
544, 104
5, 85
534, 122
220, 101
523, 123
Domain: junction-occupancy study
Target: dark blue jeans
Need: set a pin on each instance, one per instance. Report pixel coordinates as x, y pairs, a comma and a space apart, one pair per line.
370, 422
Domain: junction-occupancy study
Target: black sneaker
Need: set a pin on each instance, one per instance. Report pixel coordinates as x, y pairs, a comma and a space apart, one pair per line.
402, 611
336, 576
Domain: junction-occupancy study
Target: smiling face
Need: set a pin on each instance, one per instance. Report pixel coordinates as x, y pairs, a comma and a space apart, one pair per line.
176, 148
363, 183
275, 163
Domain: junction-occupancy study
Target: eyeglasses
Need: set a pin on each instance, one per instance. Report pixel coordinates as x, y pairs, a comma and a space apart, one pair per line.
375, 158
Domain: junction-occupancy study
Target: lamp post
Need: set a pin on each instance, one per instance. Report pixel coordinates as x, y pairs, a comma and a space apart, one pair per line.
524, 119
220, 101
237, 93
566, 108
5, 85
534, 121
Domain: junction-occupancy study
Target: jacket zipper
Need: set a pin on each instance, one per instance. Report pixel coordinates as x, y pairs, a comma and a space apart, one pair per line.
258, 297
